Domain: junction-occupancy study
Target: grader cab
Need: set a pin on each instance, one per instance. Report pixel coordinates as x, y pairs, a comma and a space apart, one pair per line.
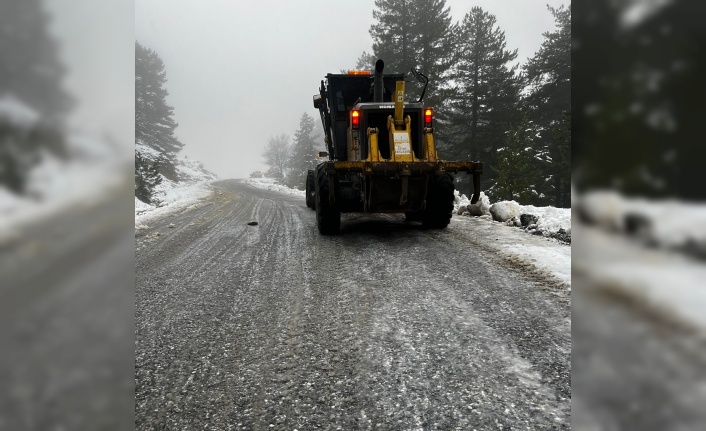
381, 153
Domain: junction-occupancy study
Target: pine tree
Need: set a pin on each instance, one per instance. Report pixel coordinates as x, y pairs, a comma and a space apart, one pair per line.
415, 33
366, 61
31, 69
30, 80
154, 122
302, 155
548, 74
485, 99
516, 166
393, 34
146, 178
276, 154
435, 46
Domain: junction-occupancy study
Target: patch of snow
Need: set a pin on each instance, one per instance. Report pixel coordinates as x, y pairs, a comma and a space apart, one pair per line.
174, 198
146, 151
271, 184
463, 205
142, 207
9, 202
602, 208
544, 254
56, 184
668, 223
17, 112
666, 279
193, 171
504, 211
550, 221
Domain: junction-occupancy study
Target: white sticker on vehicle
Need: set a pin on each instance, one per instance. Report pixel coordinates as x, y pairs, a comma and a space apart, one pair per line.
401, 137
402, 148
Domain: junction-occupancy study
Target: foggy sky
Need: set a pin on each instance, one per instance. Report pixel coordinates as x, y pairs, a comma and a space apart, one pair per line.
96, 47
241, 71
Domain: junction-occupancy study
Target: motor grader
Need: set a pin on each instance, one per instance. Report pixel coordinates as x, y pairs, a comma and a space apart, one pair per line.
381, 153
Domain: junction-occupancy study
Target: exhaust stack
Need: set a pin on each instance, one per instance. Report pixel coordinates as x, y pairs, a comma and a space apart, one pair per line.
378, 89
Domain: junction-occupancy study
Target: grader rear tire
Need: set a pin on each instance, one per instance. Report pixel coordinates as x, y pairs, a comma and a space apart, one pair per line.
328, 217
440, 202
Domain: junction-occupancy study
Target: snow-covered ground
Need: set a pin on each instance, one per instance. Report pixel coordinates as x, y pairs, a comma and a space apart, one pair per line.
652, 249
669, 224
271, 184
545, 254
668, 281
193, 171
90, 168
173, 198
546, 221
89, 171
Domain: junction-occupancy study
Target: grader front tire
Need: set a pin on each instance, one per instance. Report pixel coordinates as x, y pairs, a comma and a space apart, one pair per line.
310, 189
328, 216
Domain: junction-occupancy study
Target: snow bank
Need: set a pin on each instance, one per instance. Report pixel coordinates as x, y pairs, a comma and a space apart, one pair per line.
548, 256
669, 281
667, 223
546, 221
193, 171
141, 207
505, 211
55, 185
549, 219
169, 196
17, 112
173, 198
603, 208
271, 184
463, 205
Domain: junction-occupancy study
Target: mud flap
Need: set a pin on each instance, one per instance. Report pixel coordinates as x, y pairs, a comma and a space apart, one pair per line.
476, 188
405, 189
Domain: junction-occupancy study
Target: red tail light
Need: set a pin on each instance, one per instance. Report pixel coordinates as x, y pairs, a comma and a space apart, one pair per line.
355, 118
428, 116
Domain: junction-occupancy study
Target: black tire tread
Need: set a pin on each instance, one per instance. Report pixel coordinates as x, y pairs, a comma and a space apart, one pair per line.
310, 189
328, 217
440, 202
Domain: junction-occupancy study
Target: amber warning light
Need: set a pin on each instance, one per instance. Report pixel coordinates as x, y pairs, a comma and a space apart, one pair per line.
428, 114
359, 72
355, 117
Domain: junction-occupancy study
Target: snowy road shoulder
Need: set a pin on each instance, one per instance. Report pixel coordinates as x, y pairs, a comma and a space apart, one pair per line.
547, 255
90, 173
173, 200
663, 280
271, 184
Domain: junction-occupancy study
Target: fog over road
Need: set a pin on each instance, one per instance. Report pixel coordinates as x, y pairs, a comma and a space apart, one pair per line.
386, 326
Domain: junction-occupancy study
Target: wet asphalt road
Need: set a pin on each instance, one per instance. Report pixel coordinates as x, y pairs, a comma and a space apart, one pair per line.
636, 364
386, 326
66, 318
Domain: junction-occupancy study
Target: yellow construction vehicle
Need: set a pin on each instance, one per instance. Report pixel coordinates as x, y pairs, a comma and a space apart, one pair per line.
381, 153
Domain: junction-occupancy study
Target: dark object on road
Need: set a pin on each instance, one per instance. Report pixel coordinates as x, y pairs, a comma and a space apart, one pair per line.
252, 223
381, 153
